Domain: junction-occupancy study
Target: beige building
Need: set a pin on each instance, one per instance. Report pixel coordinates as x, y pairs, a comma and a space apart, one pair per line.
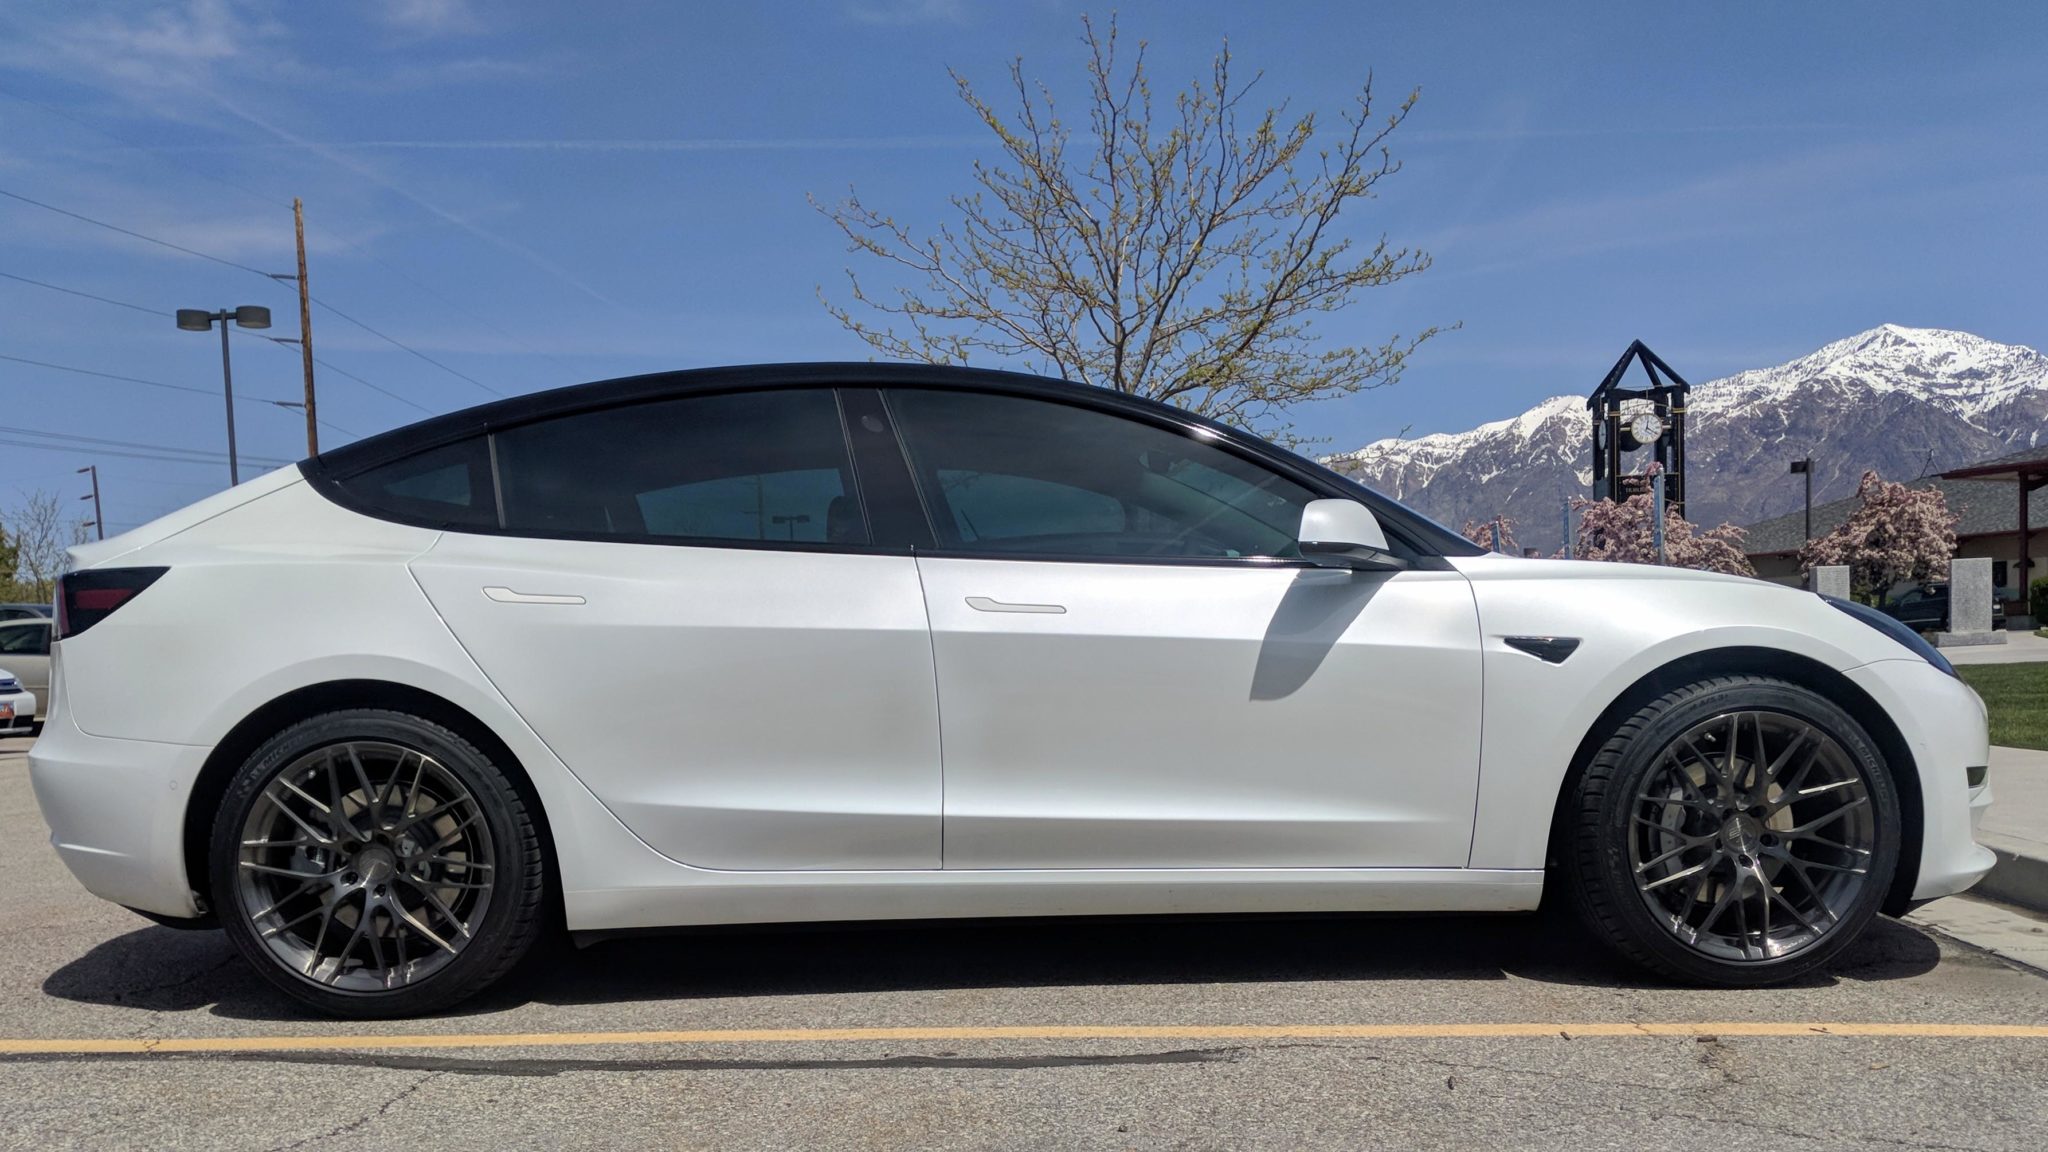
1999, 502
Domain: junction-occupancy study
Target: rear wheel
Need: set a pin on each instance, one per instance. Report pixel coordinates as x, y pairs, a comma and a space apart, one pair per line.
1737, 831
372, 863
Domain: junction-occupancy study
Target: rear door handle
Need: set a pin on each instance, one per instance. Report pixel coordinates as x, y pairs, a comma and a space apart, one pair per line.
984, 604
508, 596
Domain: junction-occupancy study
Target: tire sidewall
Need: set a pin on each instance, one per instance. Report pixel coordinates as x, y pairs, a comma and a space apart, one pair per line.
514, 863
1615, 873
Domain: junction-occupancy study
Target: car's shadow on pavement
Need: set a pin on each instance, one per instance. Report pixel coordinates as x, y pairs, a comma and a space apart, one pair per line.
164, 970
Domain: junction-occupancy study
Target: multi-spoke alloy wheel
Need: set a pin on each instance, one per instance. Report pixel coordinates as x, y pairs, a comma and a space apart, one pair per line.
373, 863
1740, 830
1752, 835
364, 865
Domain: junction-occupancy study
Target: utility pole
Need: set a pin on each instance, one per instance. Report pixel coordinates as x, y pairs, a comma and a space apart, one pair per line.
305, 340
99, 520
306, 329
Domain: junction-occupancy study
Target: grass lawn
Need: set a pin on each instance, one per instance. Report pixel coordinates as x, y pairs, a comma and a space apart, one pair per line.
2017, 697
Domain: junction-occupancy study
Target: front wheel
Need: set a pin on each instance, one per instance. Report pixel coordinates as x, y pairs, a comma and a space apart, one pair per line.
1738, 831
373, 864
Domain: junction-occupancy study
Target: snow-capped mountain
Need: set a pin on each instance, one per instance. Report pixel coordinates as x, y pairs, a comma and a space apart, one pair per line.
1905, 401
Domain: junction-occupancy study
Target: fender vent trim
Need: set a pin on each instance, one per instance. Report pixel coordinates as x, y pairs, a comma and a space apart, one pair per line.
1549, 649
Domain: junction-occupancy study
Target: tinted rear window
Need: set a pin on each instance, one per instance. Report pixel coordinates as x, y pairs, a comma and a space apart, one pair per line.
746, 466
447, 487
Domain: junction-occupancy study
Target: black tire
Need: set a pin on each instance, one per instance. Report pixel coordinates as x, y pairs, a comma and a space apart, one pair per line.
512, 885
1630, 785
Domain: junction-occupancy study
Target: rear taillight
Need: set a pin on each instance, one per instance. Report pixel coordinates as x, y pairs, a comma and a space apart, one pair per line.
86, 598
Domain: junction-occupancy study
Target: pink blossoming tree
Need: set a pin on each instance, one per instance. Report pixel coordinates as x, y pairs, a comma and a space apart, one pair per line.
1898, 534
1481, 532
1622, 532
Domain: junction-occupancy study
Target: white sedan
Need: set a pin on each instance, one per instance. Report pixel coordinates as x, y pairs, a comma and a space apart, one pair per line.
17, 706
849, 642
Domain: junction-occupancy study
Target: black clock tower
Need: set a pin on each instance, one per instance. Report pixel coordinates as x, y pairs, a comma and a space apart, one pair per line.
1659, 425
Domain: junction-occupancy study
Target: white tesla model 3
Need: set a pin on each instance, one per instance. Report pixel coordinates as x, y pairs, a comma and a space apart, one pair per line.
848, 642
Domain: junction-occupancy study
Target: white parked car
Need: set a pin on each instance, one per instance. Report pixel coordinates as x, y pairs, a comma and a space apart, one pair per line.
17, 706
865, 641
25, 651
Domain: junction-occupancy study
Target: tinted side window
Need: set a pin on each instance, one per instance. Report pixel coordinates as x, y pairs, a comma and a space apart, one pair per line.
761, 466
25, 639
1012, 474
448, 487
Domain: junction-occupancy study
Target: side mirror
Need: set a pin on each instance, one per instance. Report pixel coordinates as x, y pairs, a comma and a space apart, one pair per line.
1345, 534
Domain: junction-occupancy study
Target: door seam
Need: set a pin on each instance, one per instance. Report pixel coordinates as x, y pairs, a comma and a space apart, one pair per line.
931, 640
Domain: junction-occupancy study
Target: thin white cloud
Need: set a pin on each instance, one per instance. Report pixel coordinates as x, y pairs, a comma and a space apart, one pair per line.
174, 62
899, 12
365, 171
430, 17
692, 144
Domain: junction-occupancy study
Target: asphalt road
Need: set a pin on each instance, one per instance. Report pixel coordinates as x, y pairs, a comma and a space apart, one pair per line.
1335, 1033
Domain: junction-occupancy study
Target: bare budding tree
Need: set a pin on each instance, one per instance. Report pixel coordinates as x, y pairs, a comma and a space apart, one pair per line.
38, 532
1182, 254
1495, 535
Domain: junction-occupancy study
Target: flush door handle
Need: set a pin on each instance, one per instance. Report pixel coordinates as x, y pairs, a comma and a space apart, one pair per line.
508, 596
984, 604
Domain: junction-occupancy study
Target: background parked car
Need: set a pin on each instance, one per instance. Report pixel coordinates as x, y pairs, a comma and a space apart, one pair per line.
1925, 608
25, 652
17, 706
24, 611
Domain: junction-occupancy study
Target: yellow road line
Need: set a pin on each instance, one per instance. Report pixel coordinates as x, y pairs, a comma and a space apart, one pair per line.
202, 1044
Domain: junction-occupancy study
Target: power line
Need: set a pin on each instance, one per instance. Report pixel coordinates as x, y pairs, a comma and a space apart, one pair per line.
267, 278
133, 233
282, 341
96, 451
157, 312
396, 344
87, 295
160, 384
112, 376
265, 199
218, 457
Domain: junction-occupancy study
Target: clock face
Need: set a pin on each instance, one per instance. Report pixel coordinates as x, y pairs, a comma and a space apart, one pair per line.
1646, 427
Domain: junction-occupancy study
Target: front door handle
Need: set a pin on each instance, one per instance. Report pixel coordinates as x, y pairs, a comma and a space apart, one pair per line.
984, 604
508, 596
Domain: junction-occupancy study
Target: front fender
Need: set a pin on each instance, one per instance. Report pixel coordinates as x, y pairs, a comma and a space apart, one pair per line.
1535, 715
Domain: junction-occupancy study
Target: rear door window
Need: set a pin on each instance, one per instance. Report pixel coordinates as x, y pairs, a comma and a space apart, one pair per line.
768, 466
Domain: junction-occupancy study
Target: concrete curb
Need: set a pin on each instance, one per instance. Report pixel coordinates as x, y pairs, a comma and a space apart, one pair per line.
2019, 878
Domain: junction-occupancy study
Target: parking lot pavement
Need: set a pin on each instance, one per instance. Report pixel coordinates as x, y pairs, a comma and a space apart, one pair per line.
1450, 1032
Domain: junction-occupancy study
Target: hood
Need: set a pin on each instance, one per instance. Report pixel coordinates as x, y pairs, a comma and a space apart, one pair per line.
1494, 565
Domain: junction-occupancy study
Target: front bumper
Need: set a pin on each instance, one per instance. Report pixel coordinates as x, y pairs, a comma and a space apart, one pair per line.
1944, 727
116, 811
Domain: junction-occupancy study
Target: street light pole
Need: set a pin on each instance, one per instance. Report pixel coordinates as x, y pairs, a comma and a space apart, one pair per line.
227, 384
199, 320
1805, 468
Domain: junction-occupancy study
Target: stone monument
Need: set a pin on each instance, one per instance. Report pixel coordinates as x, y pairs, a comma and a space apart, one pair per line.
1831, 580
1969, 604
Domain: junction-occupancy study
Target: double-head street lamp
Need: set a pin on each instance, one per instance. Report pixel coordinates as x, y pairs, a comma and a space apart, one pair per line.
199, 320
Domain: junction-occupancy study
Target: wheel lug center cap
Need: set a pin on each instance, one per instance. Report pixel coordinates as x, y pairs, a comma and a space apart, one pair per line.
1741, 832
376, 864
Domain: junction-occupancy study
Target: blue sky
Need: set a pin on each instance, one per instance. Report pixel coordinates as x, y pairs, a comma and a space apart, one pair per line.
533, 195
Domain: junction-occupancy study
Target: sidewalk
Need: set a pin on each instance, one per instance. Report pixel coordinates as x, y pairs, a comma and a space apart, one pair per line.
2016, 828
2019, 648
